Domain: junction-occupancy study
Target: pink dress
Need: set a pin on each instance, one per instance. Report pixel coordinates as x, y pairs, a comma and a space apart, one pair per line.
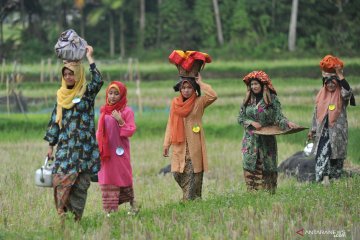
117, 170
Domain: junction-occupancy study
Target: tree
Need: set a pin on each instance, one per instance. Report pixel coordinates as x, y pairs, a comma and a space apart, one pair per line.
108, 8
218, 22
292, 25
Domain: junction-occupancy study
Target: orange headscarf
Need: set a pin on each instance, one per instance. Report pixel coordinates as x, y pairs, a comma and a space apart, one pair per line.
178, 111
326, 101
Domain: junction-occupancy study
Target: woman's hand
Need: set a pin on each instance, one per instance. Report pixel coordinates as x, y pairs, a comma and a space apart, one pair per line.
256, 125
166, 151
310, 135
50, 152
339, 72
292, 125
89, 54
115, 114
198, 79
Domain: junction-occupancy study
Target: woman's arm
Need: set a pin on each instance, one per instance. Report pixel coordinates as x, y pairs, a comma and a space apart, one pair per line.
167, 139
52, 132
209, 94
96, 79
128, 127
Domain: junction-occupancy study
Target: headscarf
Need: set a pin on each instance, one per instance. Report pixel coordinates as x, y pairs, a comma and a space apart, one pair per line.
65, 96
178, 111
267, 86
190, 80
329, 103
107, 109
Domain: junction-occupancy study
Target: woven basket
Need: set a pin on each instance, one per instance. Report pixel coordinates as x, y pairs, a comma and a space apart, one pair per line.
196, 68
276, 130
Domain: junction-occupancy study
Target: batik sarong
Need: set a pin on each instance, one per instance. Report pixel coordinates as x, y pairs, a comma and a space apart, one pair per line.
70, 192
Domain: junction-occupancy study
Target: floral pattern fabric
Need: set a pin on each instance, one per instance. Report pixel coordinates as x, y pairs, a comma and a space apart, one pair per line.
77, 149
255, 146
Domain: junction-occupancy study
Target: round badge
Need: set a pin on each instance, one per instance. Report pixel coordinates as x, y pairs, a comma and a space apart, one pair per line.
119, 151
196, 129
332, 107
76, 100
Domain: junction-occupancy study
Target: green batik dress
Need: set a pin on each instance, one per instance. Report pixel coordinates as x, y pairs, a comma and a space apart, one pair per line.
260, 146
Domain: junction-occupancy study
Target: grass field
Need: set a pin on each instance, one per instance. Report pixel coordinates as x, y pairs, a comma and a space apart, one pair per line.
227, 211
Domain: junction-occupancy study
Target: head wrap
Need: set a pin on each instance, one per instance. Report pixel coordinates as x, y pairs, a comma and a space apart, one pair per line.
190, 80
265, 80
329, 62
65, 95
107, 109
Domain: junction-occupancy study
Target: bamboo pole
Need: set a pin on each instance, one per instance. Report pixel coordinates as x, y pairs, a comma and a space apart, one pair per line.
2, 70
7, 95
130, 69
138, 90
42, 69
51, 77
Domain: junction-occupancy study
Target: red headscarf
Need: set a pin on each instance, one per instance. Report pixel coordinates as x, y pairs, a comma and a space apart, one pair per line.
107, 109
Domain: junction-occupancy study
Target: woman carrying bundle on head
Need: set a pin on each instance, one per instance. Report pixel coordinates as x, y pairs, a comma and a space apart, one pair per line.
184, 130
72, 129
329, 125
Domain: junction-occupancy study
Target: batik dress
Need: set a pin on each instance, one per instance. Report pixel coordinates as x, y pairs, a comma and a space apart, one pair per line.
330, 145
260, 151
77, 150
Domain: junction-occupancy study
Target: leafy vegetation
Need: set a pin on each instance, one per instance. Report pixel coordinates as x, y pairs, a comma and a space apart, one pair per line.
151, 29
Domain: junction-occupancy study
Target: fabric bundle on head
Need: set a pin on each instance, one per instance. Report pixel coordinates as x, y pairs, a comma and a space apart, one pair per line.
65, 95
189, 63
107, 109
329, 62
264, 80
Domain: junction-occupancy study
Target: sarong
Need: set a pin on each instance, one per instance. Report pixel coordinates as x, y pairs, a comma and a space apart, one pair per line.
113, 196
259, 179
70, 193
325, 166
189, 182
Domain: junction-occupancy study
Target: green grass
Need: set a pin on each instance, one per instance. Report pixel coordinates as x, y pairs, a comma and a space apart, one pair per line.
227, 211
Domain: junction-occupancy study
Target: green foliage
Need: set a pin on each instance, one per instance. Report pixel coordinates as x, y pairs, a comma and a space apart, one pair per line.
250, 28
205, 24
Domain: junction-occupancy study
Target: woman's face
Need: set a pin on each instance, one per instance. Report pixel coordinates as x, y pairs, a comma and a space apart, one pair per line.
331, 85
113, 96
255, 86
186, 90
69, 77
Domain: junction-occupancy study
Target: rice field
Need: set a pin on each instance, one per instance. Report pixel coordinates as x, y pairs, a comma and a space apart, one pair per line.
226, 211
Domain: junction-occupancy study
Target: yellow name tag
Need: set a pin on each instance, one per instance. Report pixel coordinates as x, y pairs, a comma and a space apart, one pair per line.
196, 129
332, 107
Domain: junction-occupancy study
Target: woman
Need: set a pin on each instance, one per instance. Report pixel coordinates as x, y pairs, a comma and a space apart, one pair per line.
260, 108
72, 129
329, 125
184, 132
116, 125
